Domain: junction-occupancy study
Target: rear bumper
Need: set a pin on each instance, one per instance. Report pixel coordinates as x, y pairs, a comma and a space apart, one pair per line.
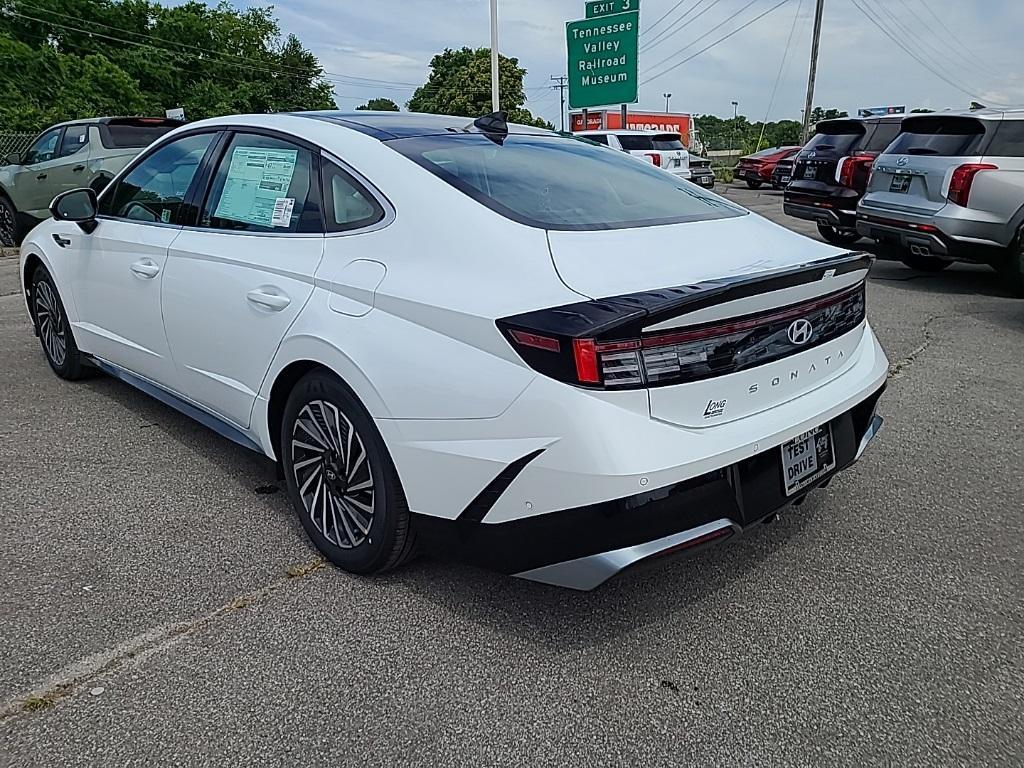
837, 211
704, 179
946, 237
583, 547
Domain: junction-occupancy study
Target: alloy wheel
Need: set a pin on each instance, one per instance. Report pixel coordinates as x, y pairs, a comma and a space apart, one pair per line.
333, 474
51, 323
8, 227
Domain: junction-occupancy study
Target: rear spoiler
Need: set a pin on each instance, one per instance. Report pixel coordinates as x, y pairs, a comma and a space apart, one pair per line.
629, 313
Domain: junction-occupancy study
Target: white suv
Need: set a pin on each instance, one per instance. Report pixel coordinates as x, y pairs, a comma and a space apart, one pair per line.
486, 338
664, 150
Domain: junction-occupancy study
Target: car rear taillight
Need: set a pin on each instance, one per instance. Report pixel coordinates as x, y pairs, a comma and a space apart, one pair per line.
571, 343
655, 158
848, 168
962, 179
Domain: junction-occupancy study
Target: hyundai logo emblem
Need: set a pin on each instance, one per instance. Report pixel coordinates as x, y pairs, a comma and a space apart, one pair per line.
800, 331
901, 161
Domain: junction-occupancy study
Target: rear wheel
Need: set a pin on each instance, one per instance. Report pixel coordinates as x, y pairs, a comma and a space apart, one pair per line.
925, 263
341, 480
54, 329
8, 224
1013, 267
753, 184
838, 235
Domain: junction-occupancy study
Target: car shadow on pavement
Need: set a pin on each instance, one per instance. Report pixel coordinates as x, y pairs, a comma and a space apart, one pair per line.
665, 590
958, 279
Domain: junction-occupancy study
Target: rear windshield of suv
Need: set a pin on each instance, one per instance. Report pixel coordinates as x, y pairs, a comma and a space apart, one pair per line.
135, 132
560, 183
635, 141
945, 135
668, 141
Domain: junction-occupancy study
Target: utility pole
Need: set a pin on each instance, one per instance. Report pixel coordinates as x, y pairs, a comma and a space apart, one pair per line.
667, 97
819, 10
561, 80
495, 96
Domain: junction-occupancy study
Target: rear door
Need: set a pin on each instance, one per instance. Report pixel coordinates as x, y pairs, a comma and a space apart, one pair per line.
913, 174
73, 157
817, 165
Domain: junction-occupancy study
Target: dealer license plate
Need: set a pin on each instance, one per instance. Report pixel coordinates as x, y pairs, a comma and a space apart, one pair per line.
785, 179
807, 458
899, 183
810, 172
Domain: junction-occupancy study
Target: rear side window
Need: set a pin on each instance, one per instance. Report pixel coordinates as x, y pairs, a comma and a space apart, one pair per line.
264, 184
635, 142
137, 132
838, 138
561, 183
947, 136
347, 204
1008, 141
668, 141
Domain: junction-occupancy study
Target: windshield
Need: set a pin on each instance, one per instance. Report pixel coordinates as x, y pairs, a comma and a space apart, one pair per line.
559, 183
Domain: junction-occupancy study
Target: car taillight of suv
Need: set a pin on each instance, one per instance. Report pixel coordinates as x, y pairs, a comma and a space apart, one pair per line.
962, 179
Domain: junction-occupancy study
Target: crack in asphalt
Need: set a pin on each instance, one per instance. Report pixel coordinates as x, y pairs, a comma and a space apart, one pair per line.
897, 369
154, 640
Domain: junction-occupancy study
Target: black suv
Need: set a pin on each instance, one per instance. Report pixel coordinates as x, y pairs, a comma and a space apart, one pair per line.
831, 173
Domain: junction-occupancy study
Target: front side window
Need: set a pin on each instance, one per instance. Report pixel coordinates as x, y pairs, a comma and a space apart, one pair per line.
347, 204
561, 183
154, 190
1008, 141
76, 137
44, 148
264, 184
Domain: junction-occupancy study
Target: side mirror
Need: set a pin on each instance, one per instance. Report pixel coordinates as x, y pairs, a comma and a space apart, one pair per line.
77, 205
13, 159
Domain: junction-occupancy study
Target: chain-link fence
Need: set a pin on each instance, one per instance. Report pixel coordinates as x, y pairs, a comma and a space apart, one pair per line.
13, 142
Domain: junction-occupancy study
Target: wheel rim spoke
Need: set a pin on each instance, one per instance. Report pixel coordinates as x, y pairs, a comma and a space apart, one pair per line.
51, 326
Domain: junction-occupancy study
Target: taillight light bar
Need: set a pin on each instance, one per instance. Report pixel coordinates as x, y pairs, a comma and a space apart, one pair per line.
849, 165
655, 158
689, 354
962, 179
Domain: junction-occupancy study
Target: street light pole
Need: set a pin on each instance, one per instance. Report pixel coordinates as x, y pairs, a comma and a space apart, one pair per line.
495, 96
667, 97
732, 138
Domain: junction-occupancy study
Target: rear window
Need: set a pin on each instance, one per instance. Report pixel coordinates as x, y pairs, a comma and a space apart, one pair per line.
765, 152
668, 141
135, 133
633, 141
947, 136
1008, 141
839, 137
561, 183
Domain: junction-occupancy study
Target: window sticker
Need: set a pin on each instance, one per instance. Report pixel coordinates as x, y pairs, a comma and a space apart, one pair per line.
257, 178
282, 216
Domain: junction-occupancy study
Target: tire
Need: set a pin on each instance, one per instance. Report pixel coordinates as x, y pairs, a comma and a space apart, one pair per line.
753, 184
55, 335
838, 236
925, 263
8, 224
354, 511
1012, 270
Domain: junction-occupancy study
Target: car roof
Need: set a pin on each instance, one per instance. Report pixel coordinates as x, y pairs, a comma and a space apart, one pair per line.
627, 131
401, 125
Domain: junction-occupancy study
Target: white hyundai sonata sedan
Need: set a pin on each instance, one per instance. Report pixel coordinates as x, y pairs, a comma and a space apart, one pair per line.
479, 338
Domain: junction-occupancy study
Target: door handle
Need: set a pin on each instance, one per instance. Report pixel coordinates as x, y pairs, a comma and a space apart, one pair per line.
78, 168
272, 301
41, 176
146, 268
63, 242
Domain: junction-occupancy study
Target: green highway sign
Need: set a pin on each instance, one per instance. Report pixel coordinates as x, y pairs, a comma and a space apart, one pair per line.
603, 59
597, 8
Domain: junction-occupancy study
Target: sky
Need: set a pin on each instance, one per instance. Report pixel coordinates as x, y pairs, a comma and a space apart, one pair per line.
964, 49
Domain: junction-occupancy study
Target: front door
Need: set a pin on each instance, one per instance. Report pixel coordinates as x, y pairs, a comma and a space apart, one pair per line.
235, 284
119, 267
30, 190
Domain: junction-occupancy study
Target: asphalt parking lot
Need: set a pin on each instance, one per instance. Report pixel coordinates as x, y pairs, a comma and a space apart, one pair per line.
159, 603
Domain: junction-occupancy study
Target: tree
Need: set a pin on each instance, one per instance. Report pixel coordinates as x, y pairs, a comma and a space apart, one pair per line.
65, 59
460, 84
921, 111
379, 105
818, 114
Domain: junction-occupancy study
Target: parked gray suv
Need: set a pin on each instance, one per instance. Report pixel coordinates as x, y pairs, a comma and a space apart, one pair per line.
81, 153
951, 188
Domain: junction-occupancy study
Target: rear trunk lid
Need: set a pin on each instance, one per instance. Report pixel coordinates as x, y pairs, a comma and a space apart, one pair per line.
913, 175
710, 338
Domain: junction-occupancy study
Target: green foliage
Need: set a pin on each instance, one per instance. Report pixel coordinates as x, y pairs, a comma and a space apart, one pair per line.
742, 135
379, 105
65, 59
818, 114
921, 111
460, 84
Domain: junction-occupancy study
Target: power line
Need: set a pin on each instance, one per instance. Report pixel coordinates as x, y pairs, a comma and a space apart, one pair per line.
678, 25
968, 54
778, 76
650, 29
712, 45
720, 24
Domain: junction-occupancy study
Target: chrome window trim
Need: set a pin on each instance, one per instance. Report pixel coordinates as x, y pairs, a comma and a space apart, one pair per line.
390, 214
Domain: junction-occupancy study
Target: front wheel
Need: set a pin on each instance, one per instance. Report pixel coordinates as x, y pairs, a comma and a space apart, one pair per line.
54, 329
838, 235
341, 480
753, 184
925, 263
8, 224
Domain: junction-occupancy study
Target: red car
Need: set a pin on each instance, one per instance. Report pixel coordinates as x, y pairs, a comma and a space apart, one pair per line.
756, 169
